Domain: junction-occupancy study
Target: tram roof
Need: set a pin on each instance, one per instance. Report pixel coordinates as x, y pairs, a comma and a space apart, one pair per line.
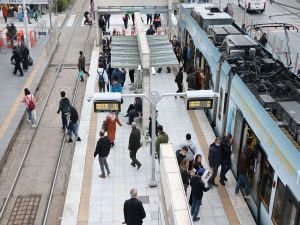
125, 52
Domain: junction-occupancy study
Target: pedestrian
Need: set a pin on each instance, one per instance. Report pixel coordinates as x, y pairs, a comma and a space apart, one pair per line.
92, 9
178, 53
131, 76
186, 56
198, 187
125, 20
134, 110
134, 212
134, 145
181, 154
179, 81
111, 122
102, 78
225, 157
198, 162
243, 165
150, 31
120, 75
162, 138
157, 21
191, 150
263, 40
107, 20
73, 125
81, 63
149, 18
156, 125
4, 12
185, 174
192, 79
24, 54
214, 159
102, 150
102, 23
16, 60
64, 108
30, 103
133, 19
116, 86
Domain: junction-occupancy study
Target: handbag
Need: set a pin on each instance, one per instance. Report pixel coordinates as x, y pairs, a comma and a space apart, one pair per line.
30, 61
80, 74
13, 62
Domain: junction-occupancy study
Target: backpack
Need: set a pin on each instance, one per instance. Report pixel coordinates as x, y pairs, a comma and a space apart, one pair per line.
101, 77
31, 104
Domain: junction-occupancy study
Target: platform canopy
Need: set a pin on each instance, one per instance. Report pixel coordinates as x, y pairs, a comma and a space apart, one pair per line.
125, 52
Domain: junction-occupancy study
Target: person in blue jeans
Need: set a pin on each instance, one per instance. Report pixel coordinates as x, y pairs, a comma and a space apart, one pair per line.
73, 125
198, 187
243, 166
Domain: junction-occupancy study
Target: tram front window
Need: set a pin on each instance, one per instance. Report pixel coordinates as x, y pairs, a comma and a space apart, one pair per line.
267, 181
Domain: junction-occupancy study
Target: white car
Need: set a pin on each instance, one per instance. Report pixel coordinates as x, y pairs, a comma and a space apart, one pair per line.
253, 5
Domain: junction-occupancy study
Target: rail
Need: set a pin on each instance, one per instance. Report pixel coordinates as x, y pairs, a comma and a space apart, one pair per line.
45, 217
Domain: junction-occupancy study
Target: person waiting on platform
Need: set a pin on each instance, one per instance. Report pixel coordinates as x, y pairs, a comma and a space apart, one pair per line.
87, 20
134, 110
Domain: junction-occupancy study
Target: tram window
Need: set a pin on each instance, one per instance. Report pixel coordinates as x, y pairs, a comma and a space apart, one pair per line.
220, 103
290, 213
267, 181
277, 207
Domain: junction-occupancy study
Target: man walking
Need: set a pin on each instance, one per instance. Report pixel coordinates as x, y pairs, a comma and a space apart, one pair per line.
102, 77
198, 188
16, 60
214, 159
64, 108
73, 125
134, 212
225, 157
81, 63
191, 150
161, 139
102, 150
134, 144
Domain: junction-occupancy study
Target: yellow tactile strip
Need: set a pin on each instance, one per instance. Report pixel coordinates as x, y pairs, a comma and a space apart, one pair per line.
227, 205
83, 213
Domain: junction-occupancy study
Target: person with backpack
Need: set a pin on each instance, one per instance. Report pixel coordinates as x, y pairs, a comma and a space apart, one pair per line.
64, 108
30, 103
102, 78
191, 150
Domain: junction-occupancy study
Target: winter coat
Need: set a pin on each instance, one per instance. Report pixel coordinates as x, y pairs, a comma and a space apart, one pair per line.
81, 62
103, 147
64, 105
191, 149
161, 139
179, 156
225, 150
73, 115
134, 212
198, 187
185, 176
214, 155
111, 127
192, 81
134, 140
116, 88
179, 78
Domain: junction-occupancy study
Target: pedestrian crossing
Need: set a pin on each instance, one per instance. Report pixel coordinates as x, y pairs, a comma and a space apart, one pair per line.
71, 21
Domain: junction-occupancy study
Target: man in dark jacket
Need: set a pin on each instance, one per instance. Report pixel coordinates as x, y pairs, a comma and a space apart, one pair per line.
81, 63
150, 31
102, 150
134, 144
181, 154
162, 138
214, 159
198, 187
135, 110
134, 212
225, 157
16, 57
64, 108
73, 125
243, 166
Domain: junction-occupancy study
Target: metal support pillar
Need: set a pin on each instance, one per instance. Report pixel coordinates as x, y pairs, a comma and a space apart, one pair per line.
26, 34
50, 16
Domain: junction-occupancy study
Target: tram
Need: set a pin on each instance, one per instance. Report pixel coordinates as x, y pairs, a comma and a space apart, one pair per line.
259, 100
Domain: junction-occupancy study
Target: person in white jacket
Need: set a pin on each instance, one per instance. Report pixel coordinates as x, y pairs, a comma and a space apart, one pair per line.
192, 150
102, 78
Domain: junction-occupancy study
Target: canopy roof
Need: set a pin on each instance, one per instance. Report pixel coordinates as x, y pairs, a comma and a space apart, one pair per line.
125, 52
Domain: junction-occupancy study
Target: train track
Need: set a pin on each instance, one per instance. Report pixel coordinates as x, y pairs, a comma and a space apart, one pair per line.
47, 199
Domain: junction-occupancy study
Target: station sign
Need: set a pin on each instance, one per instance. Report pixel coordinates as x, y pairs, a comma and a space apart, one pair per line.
194, 104
34, 2
107, 102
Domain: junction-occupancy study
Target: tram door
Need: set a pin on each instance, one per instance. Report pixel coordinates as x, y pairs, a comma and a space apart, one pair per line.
237, 137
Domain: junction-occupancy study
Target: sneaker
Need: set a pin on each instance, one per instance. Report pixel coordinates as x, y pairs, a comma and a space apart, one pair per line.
102, 176
196, 219
29, 120
33, 126
222, 182
70, 140
78, 139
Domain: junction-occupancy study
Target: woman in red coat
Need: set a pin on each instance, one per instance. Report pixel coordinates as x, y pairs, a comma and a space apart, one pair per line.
4, 12
111, 123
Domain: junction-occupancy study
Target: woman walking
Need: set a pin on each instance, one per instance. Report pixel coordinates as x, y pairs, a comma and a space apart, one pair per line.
179, 81
111, 124
30, 103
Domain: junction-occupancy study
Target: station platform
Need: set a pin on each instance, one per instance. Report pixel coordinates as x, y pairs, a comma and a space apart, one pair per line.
12, 86
93, 200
